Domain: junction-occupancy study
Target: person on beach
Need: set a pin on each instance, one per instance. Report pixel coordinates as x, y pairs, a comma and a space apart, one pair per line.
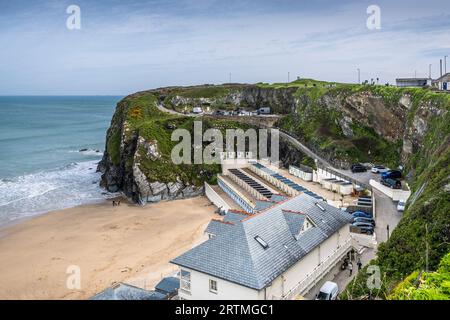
114, 203
118, 203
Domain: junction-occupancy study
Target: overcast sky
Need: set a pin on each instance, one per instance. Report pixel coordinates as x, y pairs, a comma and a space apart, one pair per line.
126, 46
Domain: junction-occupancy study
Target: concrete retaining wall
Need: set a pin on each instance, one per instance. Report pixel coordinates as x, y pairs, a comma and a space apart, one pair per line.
394, 194
215, 198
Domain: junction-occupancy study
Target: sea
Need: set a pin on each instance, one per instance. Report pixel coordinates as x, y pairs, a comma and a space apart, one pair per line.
49, 150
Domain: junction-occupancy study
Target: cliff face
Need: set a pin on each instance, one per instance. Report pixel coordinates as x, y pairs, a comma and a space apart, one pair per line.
343, 124
137, 155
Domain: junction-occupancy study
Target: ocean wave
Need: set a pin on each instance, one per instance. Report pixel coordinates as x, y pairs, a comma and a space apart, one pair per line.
67, 186
88, 152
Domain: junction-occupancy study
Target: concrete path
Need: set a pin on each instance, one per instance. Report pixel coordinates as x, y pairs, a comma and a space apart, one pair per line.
386, 214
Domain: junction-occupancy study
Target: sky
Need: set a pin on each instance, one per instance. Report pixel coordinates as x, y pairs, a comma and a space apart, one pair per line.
126, 46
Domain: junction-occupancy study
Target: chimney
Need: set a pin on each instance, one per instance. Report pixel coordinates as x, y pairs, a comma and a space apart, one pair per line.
441, 67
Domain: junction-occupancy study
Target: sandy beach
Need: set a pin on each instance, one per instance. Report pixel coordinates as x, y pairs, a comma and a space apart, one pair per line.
128, 243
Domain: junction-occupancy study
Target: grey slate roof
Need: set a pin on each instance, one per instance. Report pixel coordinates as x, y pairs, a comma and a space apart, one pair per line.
294, 221
168, 285
262, 205
123, 291
236, 256
233, 216
216, 227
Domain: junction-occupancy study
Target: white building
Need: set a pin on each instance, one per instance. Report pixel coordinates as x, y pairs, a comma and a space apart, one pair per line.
443, 83
413, 82
278, 253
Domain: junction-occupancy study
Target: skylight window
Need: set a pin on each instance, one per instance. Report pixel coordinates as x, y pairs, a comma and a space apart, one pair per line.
261, 242
319, 206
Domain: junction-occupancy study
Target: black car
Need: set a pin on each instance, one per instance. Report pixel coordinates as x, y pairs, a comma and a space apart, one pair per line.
391, 183
358, 168
391, 174
367, 220
366, 230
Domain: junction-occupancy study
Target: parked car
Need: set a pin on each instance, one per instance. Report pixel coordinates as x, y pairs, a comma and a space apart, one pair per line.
361, 214
329, 291
391, 183
264, 110
367, 220
379, 169
391, 174
366, 230
362, 224
358, 168
401, 206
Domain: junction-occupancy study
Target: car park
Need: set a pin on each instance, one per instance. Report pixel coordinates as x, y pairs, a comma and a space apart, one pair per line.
367, 220
358, 168
379, 169
401, 206
391, 174
361, 214
391, 183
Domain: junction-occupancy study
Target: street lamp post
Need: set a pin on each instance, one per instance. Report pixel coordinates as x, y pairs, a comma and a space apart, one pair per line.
445, 64
359, 76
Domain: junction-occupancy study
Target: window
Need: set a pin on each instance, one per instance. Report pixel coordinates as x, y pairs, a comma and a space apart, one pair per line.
307, 224
319, 206
261, 242
185, 281
213, 286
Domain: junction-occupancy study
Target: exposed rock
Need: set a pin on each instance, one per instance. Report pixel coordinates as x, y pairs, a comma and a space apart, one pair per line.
345, 123
405, 101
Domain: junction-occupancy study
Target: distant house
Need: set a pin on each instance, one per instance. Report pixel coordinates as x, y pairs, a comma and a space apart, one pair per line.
413, 82
278, 253
123, 291
443, 83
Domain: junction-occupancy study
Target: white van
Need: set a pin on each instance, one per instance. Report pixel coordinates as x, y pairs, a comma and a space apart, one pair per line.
329, 291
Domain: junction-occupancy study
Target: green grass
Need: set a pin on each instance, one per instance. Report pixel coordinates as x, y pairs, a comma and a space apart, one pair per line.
113, 146
425, 285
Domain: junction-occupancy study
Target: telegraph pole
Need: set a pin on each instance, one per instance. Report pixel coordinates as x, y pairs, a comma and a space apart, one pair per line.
359, 76
445, 64
429, 72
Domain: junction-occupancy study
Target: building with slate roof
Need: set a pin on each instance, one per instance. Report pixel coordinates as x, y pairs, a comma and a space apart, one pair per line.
168, 286
123, 291
277, 253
